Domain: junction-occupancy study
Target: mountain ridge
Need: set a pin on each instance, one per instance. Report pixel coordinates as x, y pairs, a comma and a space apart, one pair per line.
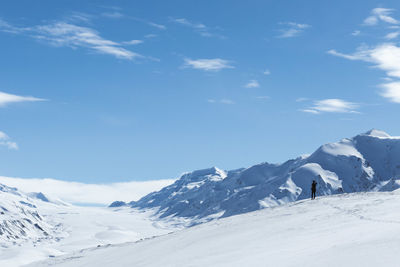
367, 162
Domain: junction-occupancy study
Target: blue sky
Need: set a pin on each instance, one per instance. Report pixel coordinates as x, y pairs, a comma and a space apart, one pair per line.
95, 91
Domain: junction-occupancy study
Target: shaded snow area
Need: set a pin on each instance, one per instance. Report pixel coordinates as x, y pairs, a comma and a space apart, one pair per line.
34, 227
366, 162
359, 229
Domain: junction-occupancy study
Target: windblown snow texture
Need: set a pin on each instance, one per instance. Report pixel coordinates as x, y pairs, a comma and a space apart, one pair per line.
366, 162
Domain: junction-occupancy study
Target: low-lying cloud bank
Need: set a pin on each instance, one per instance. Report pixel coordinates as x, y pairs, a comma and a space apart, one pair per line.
87, 194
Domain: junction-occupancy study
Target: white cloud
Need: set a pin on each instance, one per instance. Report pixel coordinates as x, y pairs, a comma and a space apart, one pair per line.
215, 64
380, 14
263, 97
252, 84
189, 24
5, 141
80, 17
385, 57
266, 72
292, 29
356, 33
156, 25
391, 91
332, 106
75, 192
70, 35
65, 34
392, 35
132, 42
200, 28
9, 98
150, 23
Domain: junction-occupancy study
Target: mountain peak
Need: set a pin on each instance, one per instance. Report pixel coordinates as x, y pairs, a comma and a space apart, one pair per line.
377, 133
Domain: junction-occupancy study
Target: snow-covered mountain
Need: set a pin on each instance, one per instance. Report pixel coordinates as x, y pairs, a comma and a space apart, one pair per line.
19, 218
366, 162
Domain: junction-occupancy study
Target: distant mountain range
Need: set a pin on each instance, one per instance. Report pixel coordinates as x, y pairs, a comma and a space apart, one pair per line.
366, 162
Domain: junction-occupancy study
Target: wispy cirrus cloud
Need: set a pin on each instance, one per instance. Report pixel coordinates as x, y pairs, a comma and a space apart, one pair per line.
157, 25
380, 14
252, 84
200, 28
392, 35
292, 29
6, 99
113, 15
64, 34
70, 35
332, 106
132, 42
6, 142
213, 64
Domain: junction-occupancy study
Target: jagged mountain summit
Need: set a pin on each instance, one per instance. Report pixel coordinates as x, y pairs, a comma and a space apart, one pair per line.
366, 162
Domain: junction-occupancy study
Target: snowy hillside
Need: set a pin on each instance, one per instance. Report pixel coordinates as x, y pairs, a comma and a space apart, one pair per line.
367, 162
360, 229
33, 228
19, 219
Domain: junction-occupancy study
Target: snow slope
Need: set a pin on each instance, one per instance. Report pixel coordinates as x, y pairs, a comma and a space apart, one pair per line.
20, 220
366, 162
35, 227
359, 229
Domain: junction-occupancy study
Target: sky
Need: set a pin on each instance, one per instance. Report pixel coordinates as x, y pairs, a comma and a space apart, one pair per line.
108, 92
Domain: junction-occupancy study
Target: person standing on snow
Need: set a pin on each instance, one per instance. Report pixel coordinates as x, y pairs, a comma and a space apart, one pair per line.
313, 189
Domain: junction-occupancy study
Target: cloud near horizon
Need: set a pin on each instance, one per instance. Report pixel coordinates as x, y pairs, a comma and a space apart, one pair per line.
82, 193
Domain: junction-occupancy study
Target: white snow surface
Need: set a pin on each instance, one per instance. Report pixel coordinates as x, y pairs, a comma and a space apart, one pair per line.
258, 216
359, 229
366, 162
33, 228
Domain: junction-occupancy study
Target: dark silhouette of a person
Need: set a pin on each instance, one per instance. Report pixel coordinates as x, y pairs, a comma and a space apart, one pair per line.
313, 189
